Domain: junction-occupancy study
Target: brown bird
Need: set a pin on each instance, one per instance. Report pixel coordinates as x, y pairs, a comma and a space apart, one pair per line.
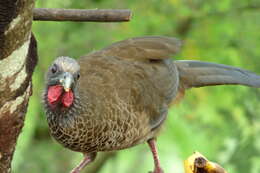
118, 97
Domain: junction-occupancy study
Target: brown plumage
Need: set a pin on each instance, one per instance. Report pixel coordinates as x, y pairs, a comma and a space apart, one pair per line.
123, 93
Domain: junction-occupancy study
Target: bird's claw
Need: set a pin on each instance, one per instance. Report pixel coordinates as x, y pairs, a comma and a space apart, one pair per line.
75, 170
158, 170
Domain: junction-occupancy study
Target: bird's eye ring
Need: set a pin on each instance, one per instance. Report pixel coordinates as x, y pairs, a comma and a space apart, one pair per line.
78, 76
54, 68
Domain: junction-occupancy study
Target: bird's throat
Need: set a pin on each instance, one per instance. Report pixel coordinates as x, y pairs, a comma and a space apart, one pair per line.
57, 95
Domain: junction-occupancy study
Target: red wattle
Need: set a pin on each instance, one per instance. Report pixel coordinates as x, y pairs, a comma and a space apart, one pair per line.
54, 93
67, 99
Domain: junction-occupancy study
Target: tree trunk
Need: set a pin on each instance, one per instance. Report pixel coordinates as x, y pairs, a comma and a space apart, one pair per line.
18, 57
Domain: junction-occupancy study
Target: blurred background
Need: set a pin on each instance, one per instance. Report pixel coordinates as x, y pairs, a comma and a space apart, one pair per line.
223, 122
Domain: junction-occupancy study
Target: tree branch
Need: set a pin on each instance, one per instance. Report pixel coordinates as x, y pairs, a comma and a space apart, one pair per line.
79, 15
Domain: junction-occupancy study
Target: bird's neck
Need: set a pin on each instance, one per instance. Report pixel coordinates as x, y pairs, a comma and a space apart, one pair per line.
58, 114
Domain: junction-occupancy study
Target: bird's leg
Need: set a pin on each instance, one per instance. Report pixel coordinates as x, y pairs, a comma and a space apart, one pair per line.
157, 166
88, 157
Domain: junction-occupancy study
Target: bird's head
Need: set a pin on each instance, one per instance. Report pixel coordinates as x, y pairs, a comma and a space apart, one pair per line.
62, 78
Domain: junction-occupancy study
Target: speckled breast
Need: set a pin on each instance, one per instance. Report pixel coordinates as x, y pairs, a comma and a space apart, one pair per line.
89, 134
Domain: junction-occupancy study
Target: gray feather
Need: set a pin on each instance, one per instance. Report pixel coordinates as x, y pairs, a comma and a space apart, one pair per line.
198, 74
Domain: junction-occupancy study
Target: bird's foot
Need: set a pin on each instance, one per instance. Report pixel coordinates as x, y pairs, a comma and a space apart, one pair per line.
75, 170
157, 170
157, 166
87, 159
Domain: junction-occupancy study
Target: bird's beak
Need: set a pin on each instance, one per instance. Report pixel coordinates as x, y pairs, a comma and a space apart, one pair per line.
66, 81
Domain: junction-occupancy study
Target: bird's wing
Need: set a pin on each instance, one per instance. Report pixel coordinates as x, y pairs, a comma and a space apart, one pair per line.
199, 74
140, 48
155, 82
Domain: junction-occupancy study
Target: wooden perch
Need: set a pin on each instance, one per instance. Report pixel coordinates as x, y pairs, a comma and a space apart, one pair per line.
80, 15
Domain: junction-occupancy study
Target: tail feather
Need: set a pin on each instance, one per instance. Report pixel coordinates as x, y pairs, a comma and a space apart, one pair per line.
199, 74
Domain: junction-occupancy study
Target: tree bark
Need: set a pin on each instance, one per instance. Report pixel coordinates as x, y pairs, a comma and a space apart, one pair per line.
18, 57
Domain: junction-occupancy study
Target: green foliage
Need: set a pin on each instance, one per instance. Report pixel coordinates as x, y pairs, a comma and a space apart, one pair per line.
223, 123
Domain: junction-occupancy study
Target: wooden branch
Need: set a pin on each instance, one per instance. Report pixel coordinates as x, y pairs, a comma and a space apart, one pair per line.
80, 15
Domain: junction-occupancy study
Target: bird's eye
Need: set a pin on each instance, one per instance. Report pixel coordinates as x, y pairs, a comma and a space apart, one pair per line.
78, 76
54, 68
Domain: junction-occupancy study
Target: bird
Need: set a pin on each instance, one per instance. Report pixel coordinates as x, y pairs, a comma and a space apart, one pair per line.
118, 97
